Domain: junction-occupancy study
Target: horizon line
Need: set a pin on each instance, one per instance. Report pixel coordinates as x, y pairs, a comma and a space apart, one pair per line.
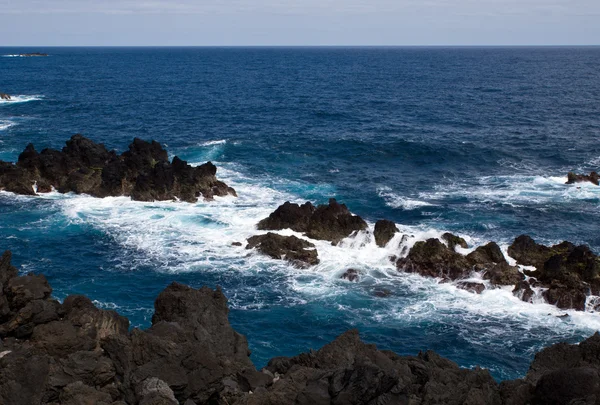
310, 46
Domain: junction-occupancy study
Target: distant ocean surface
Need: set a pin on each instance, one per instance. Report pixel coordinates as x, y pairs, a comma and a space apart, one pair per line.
476, 141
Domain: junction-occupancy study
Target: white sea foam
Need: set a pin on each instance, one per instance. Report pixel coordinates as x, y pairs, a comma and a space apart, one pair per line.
397, 201
212, 143
21, 99
517, 190
181, 237
5, 124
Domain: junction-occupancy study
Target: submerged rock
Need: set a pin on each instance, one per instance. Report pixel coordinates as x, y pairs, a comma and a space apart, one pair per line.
78, 354
351, 275
384, 232
295, 250
84, 167
593, 178
332, 222
476, 288
4, 96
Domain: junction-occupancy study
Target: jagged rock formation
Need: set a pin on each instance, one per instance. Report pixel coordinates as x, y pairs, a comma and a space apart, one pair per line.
570, 273
295, 250
74, 353
593, 178
4, 96
84, 167
384, 232
332, 222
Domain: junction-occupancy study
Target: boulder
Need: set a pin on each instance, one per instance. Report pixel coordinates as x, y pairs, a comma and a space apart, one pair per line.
484, 255
523, 291
476, 288
295, 250
434, 259
453, 241
332, 222
4, 96
288, 216
84, 167
384, 232
593, 178
503, 274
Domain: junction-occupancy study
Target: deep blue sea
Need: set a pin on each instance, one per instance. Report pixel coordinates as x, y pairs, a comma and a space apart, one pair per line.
477, 141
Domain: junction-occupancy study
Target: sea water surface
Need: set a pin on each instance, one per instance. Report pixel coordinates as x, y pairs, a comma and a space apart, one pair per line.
476, 141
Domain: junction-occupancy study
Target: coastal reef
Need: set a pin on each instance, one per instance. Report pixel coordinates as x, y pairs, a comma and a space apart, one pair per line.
73, 353
143, 172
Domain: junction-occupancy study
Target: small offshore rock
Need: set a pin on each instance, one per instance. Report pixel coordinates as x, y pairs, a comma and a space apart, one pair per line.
291, 248
384, 232
573, 178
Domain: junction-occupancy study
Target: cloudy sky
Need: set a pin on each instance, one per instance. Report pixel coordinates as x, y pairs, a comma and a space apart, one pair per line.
301, 22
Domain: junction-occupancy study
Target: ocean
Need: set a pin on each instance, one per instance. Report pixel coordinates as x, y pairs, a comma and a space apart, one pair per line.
476, 141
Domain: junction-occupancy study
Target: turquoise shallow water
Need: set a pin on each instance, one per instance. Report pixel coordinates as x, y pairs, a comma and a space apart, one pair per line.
474, 141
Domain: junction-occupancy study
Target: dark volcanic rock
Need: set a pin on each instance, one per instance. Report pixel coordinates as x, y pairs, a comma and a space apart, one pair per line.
4, 96
454, 241
523, 291
332, 222
288, 215
384, 232
503, 274
476, 288
593, 177
434, 259
298, 251
143, 172
570, 273
487, 254
78, 354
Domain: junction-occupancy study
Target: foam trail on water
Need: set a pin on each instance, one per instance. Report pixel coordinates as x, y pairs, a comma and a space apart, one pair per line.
181, 237
517, 191
211, 143
5, 124
397, 201
21, 99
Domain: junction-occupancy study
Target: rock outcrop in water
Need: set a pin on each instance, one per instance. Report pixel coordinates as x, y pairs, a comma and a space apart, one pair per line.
4, 96
84, 167
73, 353
569, 273
332, 222
299, 252
593, 177
384, 232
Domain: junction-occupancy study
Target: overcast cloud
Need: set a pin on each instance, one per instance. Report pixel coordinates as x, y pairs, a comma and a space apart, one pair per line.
305, 22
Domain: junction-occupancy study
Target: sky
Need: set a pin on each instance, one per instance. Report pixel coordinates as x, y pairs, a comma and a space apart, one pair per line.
297, 23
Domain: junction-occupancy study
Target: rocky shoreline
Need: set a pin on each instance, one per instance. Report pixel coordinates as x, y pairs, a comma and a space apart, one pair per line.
74, 353
565, 275
143, 173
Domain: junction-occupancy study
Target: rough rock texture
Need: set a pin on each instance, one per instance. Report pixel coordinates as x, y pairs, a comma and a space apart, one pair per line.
74, 353
476, 288
593, 177
384, 232
143, 172
454, 241
570, 273
298, 251
332, 222
432, 258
